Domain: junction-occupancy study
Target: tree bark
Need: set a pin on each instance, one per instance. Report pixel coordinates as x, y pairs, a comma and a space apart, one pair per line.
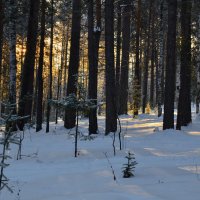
126, 18
39, 106
1, 39
146, 64
184, 104
50, 69
118, 55
66, 62
60, 72
26, 96
93, 48
153, 55
137, 77
111, 111
12, 46
198, 68
168, 120
160, 62
70, 114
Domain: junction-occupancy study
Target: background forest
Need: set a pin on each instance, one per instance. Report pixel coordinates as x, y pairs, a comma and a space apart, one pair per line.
109, 81
115, 56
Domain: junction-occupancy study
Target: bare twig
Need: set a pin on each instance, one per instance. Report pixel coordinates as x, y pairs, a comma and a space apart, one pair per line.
113, 172
119, 134
113, 144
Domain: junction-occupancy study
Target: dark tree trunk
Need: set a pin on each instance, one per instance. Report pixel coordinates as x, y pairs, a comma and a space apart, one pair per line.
50, 69
26, 97
93, 48
1, 39
198, 67
60, 72
65, 62
70, 114
126, 23
152, 88
137, 77
153, 51
168, 120
111, 110
184, 104
146, 64
118, 55
160, 61
163, 67
12, 47
39, 106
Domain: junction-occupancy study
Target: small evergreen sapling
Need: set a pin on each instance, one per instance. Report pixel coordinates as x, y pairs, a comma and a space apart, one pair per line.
8, 136
128, 169
80, 103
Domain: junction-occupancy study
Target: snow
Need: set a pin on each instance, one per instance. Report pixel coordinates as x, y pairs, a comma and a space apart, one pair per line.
168, 164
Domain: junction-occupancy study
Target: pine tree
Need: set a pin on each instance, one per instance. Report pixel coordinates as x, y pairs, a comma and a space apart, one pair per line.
26, 96
146, 62
70, 114
153, 57
168, 120
184, 105
40, 70
12, 46
126, 23
198, 67
49, 97
137, 77
94, 33
1, 38
111, 109
128, 169
118, 54
160, 62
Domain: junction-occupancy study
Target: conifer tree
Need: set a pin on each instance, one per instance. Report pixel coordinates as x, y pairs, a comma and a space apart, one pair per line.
70, 114
26, 96
168, 120
1, 38
126, 23
111, 110
137, 77
40, 70
12, 45
184, 104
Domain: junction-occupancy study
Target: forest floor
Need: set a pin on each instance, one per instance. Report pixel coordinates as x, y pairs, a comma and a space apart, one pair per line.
168, 163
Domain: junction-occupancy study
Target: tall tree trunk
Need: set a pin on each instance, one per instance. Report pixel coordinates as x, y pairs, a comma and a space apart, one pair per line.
184, 104
60, 72
70, 114
198, 68
39, 101
118, 54
50, 69
126, 18
65, 63
153, 53
12, 46
111, 110
93, 48
160, 62
168, 120
137, 77
26, 96
146, 64
1, 39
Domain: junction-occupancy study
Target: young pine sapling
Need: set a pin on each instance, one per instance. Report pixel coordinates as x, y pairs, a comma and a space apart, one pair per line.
129, 167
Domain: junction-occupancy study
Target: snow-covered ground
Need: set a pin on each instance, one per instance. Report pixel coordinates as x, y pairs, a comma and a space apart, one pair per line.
168, 164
